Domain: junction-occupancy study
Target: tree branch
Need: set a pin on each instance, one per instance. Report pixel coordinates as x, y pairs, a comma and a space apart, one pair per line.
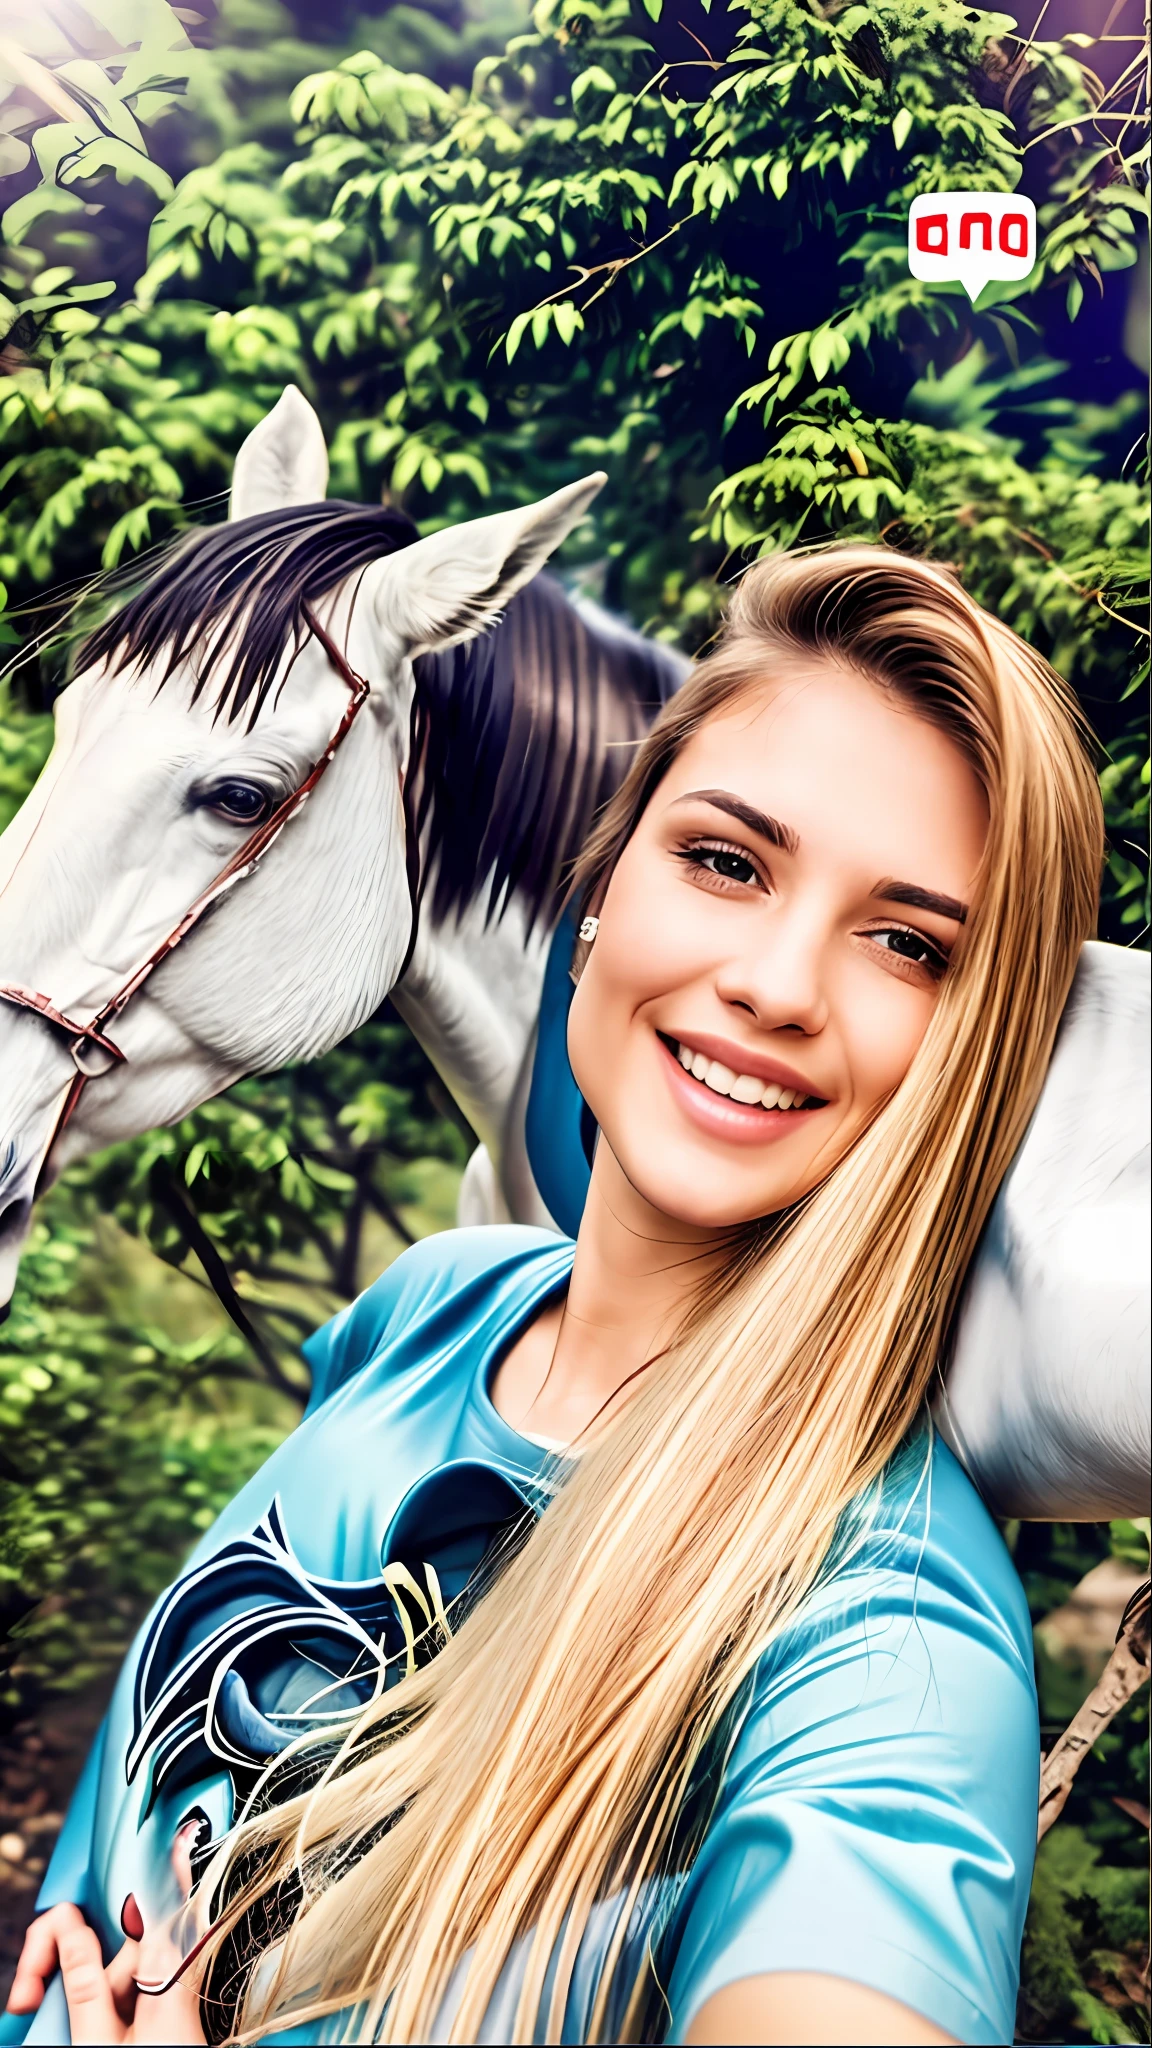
586, 272
179, 1207
348, 1263
1125, 1672
388, 1214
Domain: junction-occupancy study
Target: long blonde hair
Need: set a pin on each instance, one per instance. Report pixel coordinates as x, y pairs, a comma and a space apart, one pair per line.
538, 1764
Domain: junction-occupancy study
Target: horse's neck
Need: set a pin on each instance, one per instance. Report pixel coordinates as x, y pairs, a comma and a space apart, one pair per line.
471, 997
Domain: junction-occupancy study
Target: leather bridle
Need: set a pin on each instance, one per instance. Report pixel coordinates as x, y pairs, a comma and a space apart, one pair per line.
93, 1052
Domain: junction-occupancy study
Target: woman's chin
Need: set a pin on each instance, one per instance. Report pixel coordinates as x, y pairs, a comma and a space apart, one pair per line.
701, 1193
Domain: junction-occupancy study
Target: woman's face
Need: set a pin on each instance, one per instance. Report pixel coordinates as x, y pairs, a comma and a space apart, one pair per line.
772, 943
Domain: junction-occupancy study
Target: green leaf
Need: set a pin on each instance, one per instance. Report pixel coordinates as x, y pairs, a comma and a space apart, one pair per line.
132, 532
515, 334
408, 464
329, 1176
89, 84
32, 207
902, 126
595, 79
829, 350
569, 320
128, 167
195, 1163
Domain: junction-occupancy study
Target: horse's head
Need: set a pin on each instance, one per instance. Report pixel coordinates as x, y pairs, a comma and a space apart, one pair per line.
200, 707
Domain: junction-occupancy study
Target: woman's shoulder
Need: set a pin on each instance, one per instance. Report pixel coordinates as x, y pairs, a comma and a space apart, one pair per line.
450, 1260
920, 1603
951, 1546
450, 1271
927, 1526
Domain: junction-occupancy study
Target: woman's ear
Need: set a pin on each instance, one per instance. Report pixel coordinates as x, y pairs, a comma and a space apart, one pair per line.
586, 934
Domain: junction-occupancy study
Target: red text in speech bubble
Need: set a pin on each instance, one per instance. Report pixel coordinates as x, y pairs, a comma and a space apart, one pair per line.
973, 237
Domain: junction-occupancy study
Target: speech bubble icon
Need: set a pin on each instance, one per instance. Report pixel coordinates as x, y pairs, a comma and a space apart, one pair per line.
972, 237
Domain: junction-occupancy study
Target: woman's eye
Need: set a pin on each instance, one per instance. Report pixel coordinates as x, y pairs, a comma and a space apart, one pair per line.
242, 803
911, 946
723, 861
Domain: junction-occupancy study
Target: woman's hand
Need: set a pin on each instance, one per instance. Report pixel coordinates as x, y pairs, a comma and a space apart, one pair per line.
105, 2009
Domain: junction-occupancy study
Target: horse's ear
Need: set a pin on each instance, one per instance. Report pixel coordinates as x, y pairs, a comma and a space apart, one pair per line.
450, 586
283, 462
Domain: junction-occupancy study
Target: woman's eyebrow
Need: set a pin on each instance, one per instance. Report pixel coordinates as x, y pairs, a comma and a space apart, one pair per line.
891, 891
746, 814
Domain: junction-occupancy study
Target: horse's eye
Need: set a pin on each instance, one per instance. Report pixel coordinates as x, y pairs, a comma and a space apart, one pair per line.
243, 803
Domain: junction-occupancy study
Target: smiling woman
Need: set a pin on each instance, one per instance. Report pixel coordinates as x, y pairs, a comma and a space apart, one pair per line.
783, 977
740, 1741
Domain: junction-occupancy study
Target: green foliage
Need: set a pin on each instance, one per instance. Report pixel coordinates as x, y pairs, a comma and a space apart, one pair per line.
116, 1449
24, 745
130, 1409
1085, 1944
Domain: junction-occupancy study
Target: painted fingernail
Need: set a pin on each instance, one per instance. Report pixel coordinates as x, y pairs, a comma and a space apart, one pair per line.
131, 1918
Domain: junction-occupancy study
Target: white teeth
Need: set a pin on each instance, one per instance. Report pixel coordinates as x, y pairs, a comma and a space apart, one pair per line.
740, 1087
746, 1088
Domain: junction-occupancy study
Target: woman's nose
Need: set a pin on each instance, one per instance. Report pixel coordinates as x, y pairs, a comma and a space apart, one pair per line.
779, 976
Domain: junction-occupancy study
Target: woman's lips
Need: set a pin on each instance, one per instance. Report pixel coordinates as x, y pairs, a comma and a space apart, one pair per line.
717, 1115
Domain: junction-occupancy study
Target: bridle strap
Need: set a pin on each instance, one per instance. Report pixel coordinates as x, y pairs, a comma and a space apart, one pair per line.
92, 1036
80, 1034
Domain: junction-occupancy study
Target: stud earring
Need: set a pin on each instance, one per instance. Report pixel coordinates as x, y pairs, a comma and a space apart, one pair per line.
589, 928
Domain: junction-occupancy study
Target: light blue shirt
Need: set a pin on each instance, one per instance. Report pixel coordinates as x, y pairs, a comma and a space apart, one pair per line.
876, 1814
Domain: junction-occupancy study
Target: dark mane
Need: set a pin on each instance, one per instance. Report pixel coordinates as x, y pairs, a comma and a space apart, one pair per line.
248, 583
518, 737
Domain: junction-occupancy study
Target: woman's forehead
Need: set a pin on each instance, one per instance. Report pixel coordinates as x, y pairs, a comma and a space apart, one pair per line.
842, 764
819, 711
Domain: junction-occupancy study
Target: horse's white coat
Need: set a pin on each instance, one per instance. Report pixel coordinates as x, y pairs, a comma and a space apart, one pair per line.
471, 997
1047, 1399
111, 848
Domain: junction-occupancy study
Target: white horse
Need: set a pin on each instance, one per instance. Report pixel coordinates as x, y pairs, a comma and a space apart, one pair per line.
165, 763
150, 790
